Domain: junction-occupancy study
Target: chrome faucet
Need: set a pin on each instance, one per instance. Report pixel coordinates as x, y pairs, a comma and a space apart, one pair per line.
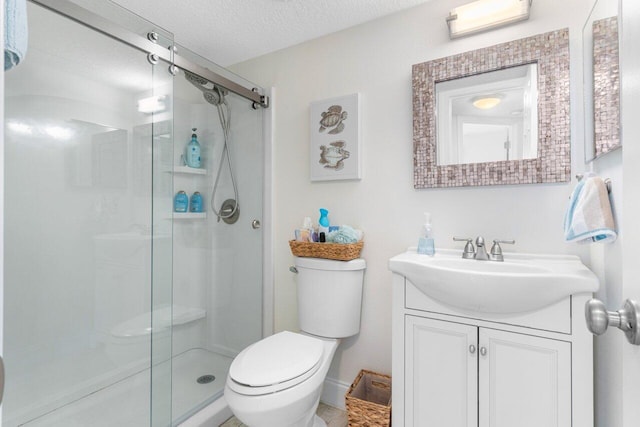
481, 252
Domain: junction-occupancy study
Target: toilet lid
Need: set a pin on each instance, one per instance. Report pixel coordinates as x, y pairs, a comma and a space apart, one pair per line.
276, 359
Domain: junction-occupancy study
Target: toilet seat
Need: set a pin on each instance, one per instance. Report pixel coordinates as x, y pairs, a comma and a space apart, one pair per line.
275, 363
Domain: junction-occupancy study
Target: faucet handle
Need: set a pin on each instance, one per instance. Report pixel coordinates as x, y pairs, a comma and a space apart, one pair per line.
469, 251
496, 249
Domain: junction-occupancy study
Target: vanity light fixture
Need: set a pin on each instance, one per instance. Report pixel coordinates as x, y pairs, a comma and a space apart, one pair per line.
486, 102
483, 15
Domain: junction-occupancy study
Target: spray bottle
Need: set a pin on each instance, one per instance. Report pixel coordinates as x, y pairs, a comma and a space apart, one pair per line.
426, 244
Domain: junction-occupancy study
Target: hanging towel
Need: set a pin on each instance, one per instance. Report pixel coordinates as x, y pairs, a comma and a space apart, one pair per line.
15, 32
589, 217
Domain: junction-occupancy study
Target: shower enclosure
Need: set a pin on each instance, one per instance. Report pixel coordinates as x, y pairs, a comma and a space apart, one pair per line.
119, 311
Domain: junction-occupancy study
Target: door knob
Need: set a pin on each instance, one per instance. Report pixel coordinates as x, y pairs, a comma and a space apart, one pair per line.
627, 319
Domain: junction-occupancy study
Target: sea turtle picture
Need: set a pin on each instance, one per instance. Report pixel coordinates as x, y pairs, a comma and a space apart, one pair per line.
333, 157
333, 118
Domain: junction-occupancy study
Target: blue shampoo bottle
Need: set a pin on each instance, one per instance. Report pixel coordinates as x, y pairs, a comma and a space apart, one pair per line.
195, 204
192, 154
180, 202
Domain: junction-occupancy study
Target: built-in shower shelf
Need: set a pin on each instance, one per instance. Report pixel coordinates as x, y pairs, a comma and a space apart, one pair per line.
188, 170
189, 215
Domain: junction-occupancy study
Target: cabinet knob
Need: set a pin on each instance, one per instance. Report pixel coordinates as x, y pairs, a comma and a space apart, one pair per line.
483, 351
472, 349
626, 319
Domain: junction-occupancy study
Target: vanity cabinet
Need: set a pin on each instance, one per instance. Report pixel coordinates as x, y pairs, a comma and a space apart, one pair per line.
461, 375
459, 368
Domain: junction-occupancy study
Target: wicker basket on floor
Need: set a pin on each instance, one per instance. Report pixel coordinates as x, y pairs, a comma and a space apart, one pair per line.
337, 251
368, 400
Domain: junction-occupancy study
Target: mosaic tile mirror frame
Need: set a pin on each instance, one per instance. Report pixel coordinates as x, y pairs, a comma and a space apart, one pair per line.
606, 87
550, 51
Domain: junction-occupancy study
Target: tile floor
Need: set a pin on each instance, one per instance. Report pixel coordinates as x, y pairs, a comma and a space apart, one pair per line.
334, 417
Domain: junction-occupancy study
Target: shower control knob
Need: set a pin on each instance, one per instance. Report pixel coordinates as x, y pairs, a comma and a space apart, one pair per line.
255, 224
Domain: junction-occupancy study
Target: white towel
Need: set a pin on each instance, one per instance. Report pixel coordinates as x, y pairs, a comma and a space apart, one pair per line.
589, 217
15, 32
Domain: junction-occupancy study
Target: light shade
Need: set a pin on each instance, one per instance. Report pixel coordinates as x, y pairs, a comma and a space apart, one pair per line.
484, 15
486, 102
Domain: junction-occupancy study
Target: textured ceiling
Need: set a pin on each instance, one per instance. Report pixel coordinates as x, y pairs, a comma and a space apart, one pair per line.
230, 31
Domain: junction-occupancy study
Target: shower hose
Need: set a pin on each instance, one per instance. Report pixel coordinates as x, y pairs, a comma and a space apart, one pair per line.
224, 113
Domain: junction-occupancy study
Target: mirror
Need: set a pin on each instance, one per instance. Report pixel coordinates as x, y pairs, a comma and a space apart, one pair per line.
523, 139
488, 117
601, 79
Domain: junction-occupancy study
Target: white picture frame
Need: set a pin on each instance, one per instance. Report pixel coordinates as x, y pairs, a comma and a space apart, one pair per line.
335, 146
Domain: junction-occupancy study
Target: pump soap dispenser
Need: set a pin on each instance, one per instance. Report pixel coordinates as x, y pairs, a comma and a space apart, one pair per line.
192, 154
426, 244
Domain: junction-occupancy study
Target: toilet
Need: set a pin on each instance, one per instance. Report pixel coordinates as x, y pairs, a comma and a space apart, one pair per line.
277, 381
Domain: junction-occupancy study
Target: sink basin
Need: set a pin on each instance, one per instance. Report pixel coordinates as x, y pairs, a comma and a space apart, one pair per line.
523, 282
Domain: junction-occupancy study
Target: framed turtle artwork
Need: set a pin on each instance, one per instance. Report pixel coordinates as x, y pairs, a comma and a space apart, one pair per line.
335, 139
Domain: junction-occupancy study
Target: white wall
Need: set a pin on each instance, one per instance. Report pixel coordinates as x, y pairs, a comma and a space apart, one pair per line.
375, 60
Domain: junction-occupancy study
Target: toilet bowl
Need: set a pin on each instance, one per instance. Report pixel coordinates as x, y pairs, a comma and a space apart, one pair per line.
287, 393
277, 382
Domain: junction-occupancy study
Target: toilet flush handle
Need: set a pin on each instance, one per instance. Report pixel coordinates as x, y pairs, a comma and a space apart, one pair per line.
293, 269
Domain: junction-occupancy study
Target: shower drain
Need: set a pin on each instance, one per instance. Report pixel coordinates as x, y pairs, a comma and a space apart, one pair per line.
206, 379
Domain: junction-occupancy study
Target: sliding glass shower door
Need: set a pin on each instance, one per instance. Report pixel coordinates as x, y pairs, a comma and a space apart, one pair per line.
88, 230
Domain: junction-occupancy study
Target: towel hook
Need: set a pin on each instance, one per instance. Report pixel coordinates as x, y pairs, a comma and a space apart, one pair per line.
607, 182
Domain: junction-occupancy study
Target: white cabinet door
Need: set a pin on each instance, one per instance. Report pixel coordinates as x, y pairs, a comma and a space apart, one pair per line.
525, 381
441, 360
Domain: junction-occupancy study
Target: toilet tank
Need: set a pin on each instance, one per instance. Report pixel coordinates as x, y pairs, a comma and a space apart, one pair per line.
330, 296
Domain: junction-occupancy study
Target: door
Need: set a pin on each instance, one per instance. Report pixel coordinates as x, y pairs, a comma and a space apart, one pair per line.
441, 373
87, 215
630, 93
525, 381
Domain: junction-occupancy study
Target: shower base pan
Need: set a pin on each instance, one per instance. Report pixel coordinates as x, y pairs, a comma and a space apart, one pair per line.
127, 402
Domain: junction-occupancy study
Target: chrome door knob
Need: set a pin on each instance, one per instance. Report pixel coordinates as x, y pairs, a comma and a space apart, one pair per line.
627, 319
483, 351
472, 349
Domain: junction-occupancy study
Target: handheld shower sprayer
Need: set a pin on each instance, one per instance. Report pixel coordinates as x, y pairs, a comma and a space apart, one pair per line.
216, 96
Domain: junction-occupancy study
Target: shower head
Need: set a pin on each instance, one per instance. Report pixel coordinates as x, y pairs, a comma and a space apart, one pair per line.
213, 94
196, 80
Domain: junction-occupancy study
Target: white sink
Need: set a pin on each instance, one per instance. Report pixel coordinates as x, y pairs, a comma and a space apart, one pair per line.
523, 282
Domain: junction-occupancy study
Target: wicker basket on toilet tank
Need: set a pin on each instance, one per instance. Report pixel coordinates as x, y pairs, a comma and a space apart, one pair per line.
337, 251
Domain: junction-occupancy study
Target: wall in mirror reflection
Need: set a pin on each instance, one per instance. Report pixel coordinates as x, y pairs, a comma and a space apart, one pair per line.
488, 117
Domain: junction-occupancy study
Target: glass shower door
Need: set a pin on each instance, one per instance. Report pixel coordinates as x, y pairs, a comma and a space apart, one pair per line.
88, 234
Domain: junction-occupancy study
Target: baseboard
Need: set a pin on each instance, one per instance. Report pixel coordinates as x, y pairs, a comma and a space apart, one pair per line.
333, 393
